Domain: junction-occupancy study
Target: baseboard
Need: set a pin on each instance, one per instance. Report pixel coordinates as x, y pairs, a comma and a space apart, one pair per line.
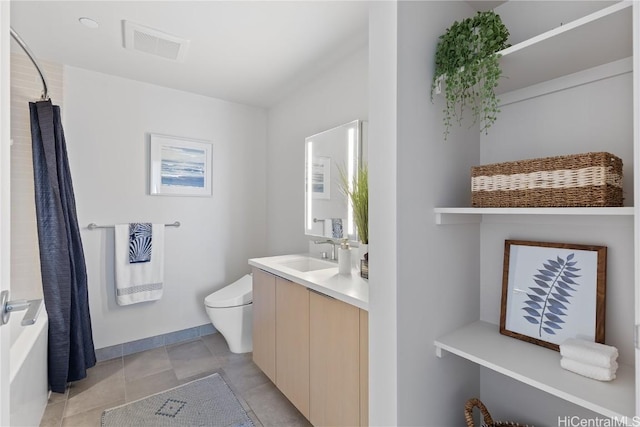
124, 349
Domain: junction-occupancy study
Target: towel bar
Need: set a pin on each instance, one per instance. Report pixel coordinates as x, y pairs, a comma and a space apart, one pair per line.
93, 225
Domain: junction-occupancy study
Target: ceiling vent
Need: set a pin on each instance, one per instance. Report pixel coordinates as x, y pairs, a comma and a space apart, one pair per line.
154, 42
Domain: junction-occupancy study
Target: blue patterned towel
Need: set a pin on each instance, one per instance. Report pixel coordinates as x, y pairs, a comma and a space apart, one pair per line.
333, 228
140, 237
336, 228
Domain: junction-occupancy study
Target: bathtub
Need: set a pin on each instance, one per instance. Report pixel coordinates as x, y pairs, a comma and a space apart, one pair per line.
28, 370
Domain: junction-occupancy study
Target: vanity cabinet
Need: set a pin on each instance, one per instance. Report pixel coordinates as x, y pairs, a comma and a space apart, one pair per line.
264, 322
292, 343
364, 368
335, 362
314, 348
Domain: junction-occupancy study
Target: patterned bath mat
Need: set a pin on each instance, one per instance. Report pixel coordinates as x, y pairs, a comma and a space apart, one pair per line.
205, 402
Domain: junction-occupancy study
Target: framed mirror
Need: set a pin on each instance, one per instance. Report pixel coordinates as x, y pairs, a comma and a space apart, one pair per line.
329, 154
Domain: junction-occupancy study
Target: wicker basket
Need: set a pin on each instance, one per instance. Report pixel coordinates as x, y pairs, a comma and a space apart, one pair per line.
486, 416
589, 179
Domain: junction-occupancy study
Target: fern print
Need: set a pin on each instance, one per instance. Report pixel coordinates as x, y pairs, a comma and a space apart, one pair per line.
547, 303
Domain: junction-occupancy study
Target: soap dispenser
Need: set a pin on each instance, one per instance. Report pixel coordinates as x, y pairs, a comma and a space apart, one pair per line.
344, 258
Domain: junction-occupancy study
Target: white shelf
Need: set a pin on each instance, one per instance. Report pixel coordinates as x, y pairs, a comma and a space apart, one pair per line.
539, 367
474, 215
599, 38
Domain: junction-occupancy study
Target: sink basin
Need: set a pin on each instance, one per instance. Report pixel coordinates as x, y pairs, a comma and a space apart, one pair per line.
304, 264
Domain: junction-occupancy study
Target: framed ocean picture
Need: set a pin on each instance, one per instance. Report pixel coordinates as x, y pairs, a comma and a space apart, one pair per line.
553, 291
321, 177
179, 166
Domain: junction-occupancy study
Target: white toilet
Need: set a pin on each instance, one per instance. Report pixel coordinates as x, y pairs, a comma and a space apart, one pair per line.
230, 311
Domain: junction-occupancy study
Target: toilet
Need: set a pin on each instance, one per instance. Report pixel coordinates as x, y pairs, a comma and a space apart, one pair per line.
230, 311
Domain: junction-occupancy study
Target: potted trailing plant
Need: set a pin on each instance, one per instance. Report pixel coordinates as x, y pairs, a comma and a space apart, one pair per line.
357, 190
466, 62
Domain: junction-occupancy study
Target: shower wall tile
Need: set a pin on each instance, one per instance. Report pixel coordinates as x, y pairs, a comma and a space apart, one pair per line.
26, 87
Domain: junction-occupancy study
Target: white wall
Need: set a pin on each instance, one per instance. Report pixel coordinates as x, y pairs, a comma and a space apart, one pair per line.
107, 122
383, 309
5, 225
339, 96
420, 287
438, 266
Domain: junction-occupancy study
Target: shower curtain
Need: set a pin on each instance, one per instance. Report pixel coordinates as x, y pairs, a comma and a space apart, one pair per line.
64, 276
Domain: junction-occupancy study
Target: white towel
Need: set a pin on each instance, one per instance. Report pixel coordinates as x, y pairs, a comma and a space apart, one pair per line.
590, 371
138, 282
327, 229
589, 352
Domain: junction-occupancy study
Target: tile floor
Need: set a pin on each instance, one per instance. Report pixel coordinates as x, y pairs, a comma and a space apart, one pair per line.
125, 379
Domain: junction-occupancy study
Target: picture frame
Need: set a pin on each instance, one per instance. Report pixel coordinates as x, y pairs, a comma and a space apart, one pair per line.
179, 166
553, 291
321, 177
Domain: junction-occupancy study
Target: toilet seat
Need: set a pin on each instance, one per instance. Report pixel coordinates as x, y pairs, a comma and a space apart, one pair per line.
236, 294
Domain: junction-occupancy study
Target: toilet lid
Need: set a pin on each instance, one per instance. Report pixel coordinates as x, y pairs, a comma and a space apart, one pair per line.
239, 292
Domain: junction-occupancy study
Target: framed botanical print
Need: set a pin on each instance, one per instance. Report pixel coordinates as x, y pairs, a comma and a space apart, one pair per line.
553, 291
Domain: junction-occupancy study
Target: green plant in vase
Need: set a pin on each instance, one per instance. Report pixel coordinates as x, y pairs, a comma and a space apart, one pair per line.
357, 190
467, 65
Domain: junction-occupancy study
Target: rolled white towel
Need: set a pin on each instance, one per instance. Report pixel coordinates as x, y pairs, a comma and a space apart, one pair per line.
590, 371
589, 352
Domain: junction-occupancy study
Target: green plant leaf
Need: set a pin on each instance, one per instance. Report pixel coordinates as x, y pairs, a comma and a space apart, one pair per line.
358, 194
466, 56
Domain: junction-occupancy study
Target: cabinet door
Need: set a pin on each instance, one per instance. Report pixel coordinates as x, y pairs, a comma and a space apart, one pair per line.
264, 322
364, 368
334, 362
292, 343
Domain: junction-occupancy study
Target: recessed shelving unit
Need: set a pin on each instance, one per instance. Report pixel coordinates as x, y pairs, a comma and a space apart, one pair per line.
539, 367
601, 39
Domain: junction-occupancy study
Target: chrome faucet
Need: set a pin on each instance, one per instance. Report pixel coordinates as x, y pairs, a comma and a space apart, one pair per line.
333, 247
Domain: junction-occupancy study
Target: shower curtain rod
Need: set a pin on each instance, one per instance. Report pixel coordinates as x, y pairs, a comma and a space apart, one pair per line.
23, 45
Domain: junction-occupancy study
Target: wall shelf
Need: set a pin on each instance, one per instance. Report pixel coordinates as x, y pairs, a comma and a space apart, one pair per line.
539, 367
599, 38
474, 215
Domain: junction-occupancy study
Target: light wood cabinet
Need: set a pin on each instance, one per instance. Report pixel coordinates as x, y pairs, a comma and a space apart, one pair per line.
292, 343
314, 348
364, 368
334, 362
264, 322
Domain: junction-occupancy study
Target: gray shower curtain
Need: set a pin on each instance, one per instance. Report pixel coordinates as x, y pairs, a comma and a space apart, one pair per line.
64, 276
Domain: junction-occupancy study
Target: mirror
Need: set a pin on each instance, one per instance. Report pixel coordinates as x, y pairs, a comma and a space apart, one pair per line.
328, 213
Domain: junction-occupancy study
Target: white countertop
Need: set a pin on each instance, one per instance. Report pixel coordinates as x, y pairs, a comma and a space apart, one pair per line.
351, 289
